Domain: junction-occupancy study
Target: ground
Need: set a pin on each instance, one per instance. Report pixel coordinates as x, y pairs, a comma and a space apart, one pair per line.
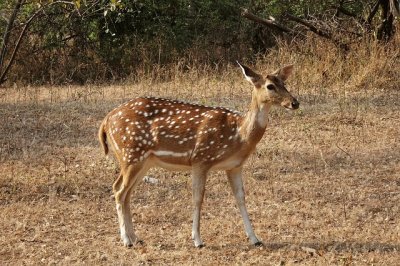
323, 187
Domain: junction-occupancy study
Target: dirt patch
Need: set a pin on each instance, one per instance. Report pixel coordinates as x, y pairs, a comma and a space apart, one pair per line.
322, 188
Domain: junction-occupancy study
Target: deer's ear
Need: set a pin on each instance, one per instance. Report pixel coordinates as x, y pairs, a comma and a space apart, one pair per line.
251, 76
284, 72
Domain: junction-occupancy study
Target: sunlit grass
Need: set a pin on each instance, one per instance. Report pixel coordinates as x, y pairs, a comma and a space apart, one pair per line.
322, 187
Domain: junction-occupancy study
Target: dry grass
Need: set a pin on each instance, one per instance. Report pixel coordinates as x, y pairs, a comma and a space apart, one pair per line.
323, 187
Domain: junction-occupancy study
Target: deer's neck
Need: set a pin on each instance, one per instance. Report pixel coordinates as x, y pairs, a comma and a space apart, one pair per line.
254, 122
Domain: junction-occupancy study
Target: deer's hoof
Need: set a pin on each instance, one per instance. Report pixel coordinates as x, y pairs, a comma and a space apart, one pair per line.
259, 244
200, 246
129, 241
128, 245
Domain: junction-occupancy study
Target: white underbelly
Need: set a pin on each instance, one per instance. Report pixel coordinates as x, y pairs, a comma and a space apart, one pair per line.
230, 163
156, 159
169, 166
159, 159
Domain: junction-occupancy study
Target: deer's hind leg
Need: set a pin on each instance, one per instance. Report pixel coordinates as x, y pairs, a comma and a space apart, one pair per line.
123, 187
199, 176
117, 183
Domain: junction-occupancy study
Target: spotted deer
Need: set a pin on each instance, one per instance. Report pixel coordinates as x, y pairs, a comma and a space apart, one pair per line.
146, 132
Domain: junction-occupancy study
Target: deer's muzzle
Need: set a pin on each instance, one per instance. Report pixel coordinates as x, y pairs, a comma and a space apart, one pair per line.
291, 104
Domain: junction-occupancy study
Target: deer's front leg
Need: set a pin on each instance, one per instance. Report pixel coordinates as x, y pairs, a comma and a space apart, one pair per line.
235, 180
199, 177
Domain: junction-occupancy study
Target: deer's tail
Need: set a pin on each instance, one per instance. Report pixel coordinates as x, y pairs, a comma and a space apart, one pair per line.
103, 136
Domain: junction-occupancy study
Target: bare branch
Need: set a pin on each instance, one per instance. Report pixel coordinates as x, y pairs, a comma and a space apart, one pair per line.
269, 23
9, 28
373, 12
350, 14
395, 7
324, 34
4, 73
311, 27
17, 45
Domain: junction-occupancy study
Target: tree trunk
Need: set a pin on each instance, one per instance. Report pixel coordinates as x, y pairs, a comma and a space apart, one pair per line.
6, 37
386, 29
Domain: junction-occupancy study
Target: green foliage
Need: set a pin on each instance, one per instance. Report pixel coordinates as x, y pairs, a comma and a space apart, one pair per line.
172, 26
122, 35
86, 40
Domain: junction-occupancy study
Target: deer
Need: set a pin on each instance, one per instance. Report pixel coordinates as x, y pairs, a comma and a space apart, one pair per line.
148, 132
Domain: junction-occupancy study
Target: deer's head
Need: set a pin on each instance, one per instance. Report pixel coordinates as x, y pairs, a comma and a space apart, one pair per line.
271, 89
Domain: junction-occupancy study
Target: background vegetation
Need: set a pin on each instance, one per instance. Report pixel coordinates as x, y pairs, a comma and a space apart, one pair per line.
104, 40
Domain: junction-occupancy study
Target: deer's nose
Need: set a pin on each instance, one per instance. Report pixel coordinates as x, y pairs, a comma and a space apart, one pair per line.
295, 104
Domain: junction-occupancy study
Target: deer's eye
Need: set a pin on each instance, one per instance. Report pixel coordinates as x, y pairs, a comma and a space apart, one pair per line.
270, 87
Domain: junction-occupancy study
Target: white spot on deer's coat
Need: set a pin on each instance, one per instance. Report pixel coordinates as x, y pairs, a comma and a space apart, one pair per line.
171, 153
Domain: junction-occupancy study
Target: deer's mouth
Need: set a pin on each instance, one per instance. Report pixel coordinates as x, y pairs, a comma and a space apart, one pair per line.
292, 105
